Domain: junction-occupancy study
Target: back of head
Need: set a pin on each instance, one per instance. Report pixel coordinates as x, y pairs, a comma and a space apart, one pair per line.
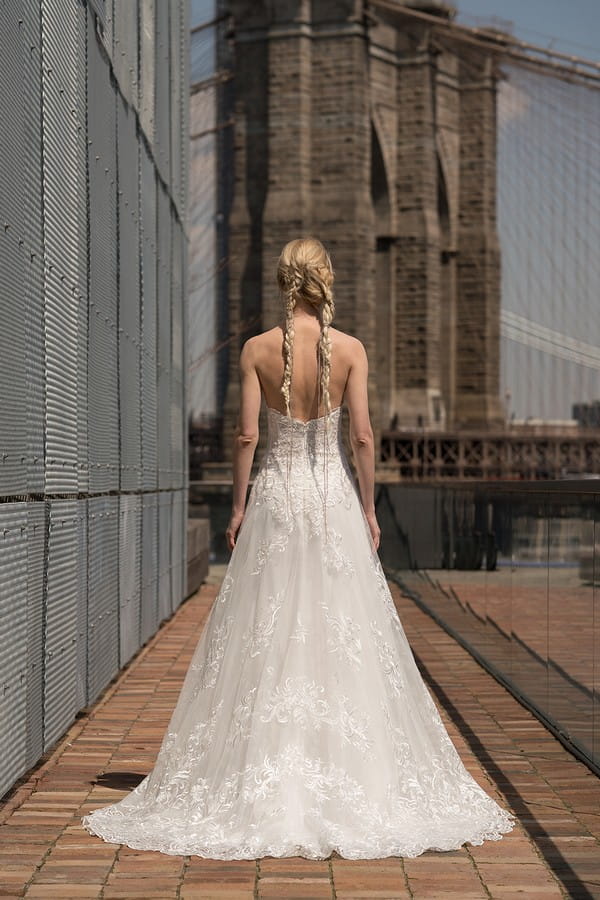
304, 270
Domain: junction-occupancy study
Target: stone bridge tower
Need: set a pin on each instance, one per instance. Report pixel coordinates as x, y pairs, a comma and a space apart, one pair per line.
355, 125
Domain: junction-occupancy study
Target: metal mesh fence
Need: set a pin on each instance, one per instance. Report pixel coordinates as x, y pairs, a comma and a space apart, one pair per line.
93, 444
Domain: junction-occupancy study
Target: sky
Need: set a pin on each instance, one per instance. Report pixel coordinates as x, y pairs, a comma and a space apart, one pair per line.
547, 207
570, 26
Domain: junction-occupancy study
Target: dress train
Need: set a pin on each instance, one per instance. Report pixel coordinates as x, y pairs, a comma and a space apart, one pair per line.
303, 725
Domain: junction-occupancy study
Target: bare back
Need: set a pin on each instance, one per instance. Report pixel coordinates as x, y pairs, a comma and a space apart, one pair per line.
261, 375
304, 386
347, 380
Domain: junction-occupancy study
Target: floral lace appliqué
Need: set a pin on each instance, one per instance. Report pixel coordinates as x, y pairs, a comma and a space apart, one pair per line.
209, 667
257, 636
343, 637
321, 481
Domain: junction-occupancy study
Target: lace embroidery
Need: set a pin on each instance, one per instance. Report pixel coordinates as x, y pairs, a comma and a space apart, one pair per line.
257, 637
226, 588
209, 667
303, 703
173, 781
334, 559
354, 727
300, 633
296, 700
212, 815
241, 719
402, 753
388, 658
267, 547
343, 637
299, 503
384, 593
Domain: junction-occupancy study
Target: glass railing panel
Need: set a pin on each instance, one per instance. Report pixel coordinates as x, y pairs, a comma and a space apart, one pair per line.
592, 572
495, 518
464, 577
410, 541
529, 596
570, 617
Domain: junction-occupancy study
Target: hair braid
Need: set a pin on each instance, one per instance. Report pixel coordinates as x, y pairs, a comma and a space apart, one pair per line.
304, 270
293, 284
327, 312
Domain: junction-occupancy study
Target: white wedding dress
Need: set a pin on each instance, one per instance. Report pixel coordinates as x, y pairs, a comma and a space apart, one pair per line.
303, 725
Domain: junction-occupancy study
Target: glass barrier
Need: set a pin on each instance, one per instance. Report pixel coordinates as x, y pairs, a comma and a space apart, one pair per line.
512, 570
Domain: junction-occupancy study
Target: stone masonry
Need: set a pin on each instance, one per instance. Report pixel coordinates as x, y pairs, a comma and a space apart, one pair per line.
356, 125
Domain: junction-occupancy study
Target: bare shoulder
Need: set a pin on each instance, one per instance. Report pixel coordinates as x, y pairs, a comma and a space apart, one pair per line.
350, 346
256, 345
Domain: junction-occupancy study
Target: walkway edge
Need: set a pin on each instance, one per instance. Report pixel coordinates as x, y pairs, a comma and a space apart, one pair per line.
27, 784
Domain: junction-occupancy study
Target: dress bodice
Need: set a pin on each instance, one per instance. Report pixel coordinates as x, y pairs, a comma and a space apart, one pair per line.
306, 443
303, 473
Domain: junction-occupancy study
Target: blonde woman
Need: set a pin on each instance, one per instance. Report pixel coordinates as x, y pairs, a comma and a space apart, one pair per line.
303, 726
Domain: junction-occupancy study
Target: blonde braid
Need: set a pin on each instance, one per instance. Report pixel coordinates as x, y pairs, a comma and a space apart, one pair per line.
304, 270
327, 312
293, 280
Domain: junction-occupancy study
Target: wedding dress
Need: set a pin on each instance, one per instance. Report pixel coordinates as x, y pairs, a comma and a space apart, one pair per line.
303, 725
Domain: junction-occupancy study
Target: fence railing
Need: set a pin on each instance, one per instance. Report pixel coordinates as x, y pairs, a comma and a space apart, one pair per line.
512, 570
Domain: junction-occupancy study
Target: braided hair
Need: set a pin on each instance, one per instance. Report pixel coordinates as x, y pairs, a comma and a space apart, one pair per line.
304, 270
327, 312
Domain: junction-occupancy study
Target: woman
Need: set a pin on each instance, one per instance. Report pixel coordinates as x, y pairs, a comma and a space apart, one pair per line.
303, 726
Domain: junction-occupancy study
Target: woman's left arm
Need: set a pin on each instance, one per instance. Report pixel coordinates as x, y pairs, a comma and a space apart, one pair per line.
245, 437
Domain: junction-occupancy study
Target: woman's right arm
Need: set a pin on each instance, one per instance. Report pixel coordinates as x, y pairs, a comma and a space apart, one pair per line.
361, 434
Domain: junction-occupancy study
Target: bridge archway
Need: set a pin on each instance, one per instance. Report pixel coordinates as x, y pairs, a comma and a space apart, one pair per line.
383, 245
447, 303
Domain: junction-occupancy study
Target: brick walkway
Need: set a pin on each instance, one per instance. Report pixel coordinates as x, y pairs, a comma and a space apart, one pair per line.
553, 852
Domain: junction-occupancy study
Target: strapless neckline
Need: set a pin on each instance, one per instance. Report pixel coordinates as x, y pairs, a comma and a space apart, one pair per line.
300, 421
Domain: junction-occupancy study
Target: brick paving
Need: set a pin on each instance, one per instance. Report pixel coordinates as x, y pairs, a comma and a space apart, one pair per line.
553, 852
